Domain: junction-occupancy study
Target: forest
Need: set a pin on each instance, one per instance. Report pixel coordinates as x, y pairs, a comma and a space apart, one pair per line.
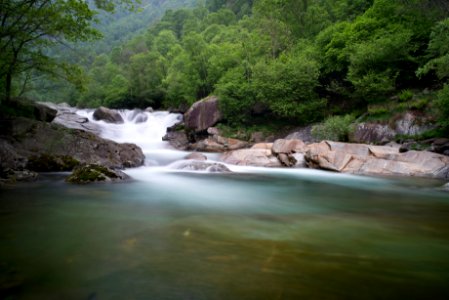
288, 61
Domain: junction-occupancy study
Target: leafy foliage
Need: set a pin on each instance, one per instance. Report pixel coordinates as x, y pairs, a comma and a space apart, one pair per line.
292, 61
336, 128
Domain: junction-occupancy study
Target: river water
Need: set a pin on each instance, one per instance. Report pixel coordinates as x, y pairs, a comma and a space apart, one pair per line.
251, 234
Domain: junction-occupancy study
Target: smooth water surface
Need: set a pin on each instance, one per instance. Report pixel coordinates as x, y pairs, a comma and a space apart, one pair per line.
251, 234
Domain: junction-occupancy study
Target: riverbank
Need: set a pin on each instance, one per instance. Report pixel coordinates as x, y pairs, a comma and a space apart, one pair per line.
76, 138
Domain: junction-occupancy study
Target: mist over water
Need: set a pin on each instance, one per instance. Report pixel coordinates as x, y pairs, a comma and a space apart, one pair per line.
254, 233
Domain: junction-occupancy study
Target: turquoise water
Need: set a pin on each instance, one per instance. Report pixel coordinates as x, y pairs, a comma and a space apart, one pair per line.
258, 234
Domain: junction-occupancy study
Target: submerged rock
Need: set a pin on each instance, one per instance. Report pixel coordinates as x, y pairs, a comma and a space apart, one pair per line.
95, 173
108, 115
195, 165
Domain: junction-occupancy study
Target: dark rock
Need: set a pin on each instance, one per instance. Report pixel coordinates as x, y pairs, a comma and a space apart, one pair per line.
177, 139
10, 176
108, 115
196, 156
181, 109
95, 173
9, 158
202, 114
51, 163
440, 145
44, 113
33, 138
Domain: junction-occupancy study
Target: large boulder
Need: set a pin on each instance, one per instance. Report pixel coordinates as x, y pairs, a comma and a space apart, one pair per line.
251, 157
376, 160
218, 143
95, 173
203, 114
107, 115
34, 139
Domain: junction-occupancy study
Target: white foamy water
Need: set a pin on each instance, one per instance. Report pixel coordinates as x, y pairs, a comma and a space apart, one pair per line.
146, 130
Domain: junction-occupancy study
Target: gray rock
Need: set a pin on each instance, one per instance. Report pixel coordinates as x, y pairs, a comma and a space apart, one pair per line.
44, 113
33, 138
411, 124
177, 139
203, 114
75, 121
193, 165
372, 133
149, 109
108, 115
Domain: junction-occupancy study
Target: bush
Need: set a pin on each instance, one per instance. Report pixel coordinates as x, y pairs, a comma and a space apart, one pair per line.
405, 95
443, 105
336, 128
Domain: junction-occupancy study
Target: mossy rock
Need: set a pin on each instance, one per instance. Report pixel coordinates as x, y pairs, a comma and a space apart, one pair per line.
95, 173
52, 163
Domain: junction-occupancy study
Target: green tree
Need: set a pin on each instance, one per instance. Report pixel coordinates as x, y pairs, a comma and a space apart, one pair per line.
30, 27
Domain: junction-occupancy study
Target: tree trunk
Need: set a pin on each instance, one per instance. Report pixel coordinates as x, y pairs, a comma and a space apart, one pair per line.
8, 87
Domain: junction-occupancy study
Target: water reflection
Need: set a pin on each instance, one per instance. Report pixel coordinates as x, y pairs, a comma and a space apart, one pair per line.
179, 235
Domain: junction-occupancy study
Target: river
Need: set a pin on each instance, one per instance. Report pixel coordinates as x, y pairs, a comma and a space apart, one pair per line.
251, 234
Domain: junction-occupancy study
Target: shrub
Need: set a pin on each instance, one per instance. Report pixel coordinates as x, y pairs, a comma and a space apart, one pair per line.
443, 105
336, 128
405, 95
